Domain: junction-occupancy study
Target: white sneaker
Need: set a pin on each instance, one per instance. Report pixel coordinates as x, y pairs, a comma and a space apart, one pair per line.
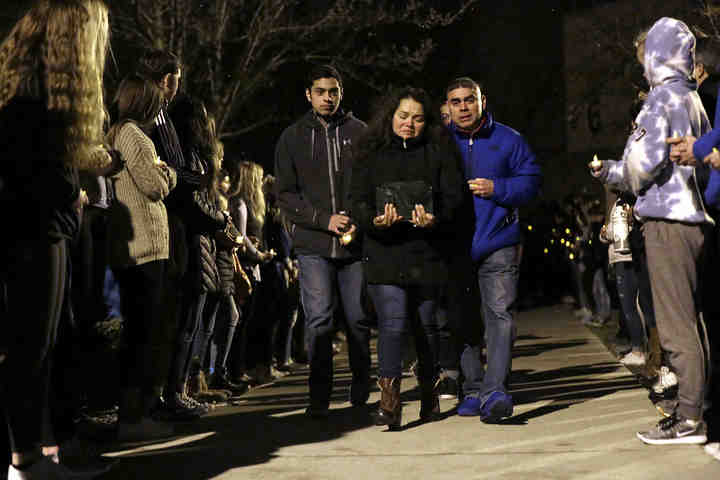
713, 449
634, 358
666, 379
582, 312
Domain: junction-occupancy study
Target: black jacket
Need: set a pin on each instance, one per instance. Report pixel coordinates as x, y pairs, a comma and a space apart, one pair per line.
203, 218
313, 166
402, 254
33, 178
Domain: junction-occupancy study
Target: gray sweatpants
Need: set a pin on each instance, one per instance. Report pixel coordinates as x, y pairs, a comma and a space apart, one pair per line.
674, 255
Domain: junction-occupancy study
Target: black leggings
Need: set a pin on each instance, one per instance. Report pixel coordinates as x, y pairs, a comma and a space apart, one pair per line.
37, 272
141, 297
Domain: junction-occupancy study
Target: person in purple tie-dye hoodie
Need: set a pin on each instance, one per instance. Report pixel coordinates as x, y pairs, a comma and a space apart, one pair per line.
670, 207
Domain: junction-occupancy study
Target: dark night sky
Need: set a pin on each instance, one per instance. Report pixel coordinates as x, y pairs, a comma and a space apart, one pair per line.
515, 47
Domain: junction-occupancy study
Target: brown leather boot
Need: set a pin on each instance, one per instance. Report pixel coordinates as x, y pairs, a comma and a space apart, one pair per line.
429, 400
390, 410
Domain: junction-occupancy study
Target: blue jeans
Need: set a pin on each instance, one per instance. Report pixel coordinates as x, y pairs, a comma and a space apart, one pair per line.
626, 279
498, 279
320, 279
192, 313
396, 307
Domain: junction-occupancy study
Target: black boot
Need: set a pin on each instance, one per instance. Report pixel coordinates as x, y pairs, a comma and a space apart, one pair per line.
221, 381
429, 400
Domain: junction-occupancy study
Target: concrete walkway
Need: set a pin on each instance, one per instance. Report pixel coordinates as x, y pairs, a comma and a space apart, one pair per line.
577, 411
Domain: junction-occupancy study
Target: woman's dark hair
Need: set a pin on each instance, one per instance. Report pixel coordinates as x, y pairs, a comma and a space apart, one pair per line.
322, 71
195, 128
138, 100
380, 134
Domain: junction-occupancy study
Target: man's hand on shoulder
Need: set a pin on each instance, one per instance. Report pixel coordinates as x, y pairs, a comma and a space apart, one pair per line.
681, 150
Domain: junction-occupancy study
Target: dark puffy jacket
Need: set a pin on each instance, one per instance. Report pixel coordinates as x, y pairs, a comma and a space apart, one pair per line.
313, 166
226, 270
202, 218
402, 254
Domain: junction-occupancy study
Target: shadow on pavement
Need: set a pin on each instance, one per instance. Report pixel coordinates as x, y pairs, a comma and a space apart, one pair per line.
240, 440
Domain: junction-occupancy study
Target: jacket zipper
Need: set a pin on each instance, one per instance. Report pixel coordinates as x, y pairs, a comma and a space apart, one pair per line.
331, 173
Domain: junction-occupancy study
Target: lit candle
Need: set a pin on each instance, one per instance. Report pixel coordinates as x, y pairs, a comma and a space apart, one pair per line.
595, 164
346, 239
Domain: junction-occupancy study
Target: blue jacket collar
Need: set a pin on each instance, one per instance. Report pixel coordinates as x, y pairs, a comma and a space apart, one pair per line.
484, 130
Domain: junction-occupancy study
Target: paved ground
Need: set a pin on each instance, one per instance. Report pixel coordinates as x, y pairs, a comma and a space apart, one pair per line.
576, 417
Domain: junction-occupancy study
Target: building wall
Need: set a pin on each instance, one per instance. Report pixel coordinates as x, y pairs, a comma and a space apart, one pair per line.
602, 76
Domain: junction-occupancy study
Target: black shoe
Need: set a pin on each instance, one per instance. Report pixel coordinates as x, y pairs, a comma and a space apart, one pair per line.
622, 346
289, 367
220, 381
359, 393
174, 409
317, 412
448, 388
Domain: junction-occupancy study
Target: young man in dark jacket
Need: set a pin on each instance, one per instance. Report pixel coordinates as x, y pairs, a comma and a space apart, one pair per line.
313, 163
502, 175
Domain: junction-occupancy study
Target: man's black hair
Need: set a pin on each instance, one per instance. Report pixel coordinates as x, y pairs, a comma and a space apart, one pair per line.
707, 52
462, 82
155, 64
322, 71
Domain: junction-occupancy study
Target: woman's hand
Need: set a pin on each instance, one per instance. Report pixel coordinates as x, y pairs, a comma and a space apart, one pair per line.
420, 218
265, 257
389, 218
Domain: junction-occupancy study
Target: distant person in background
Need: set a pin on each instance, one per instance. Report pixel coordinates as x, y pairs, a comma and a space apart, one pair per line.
445, 114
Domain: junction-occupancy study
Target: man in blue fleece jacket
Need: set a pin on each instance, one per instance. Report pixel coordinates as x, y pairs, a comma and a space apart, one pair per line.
502, 175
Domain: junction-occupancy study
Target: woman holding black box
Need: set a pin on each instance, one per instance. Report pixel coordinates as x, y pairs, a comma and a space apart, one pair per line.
406, 188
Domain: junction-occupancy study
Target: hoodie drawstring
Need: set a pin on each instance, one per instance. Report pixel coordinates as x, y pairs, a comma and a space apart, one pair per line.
312, 145
336, 144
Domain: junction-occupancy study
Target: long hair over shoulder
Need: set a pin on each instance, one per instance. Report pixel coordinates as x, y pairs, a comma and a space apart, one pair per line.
246, 182
379, 134
196, 130
56, 53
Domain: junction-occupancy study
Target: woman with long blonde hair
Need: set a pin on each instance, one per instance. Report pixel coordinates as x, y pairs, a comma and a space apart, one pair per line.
52, 117
248, 186
247, 207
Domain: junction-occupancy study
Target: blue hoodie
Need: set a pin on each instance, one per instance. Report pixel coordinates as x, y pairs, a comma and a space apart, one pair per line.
673, 109
498, 153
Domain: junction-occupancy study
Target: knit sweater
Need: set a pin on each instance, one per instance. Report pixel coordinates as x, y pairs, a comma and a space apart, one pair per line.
138, 226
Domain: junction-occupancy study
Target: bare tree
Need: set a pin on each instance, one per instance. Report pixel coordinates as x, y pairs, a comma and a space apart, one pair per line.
235, 50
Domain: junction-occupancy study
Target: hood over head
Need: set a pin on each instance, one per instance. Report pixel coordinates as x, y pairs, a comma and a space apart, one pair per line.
669, 53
